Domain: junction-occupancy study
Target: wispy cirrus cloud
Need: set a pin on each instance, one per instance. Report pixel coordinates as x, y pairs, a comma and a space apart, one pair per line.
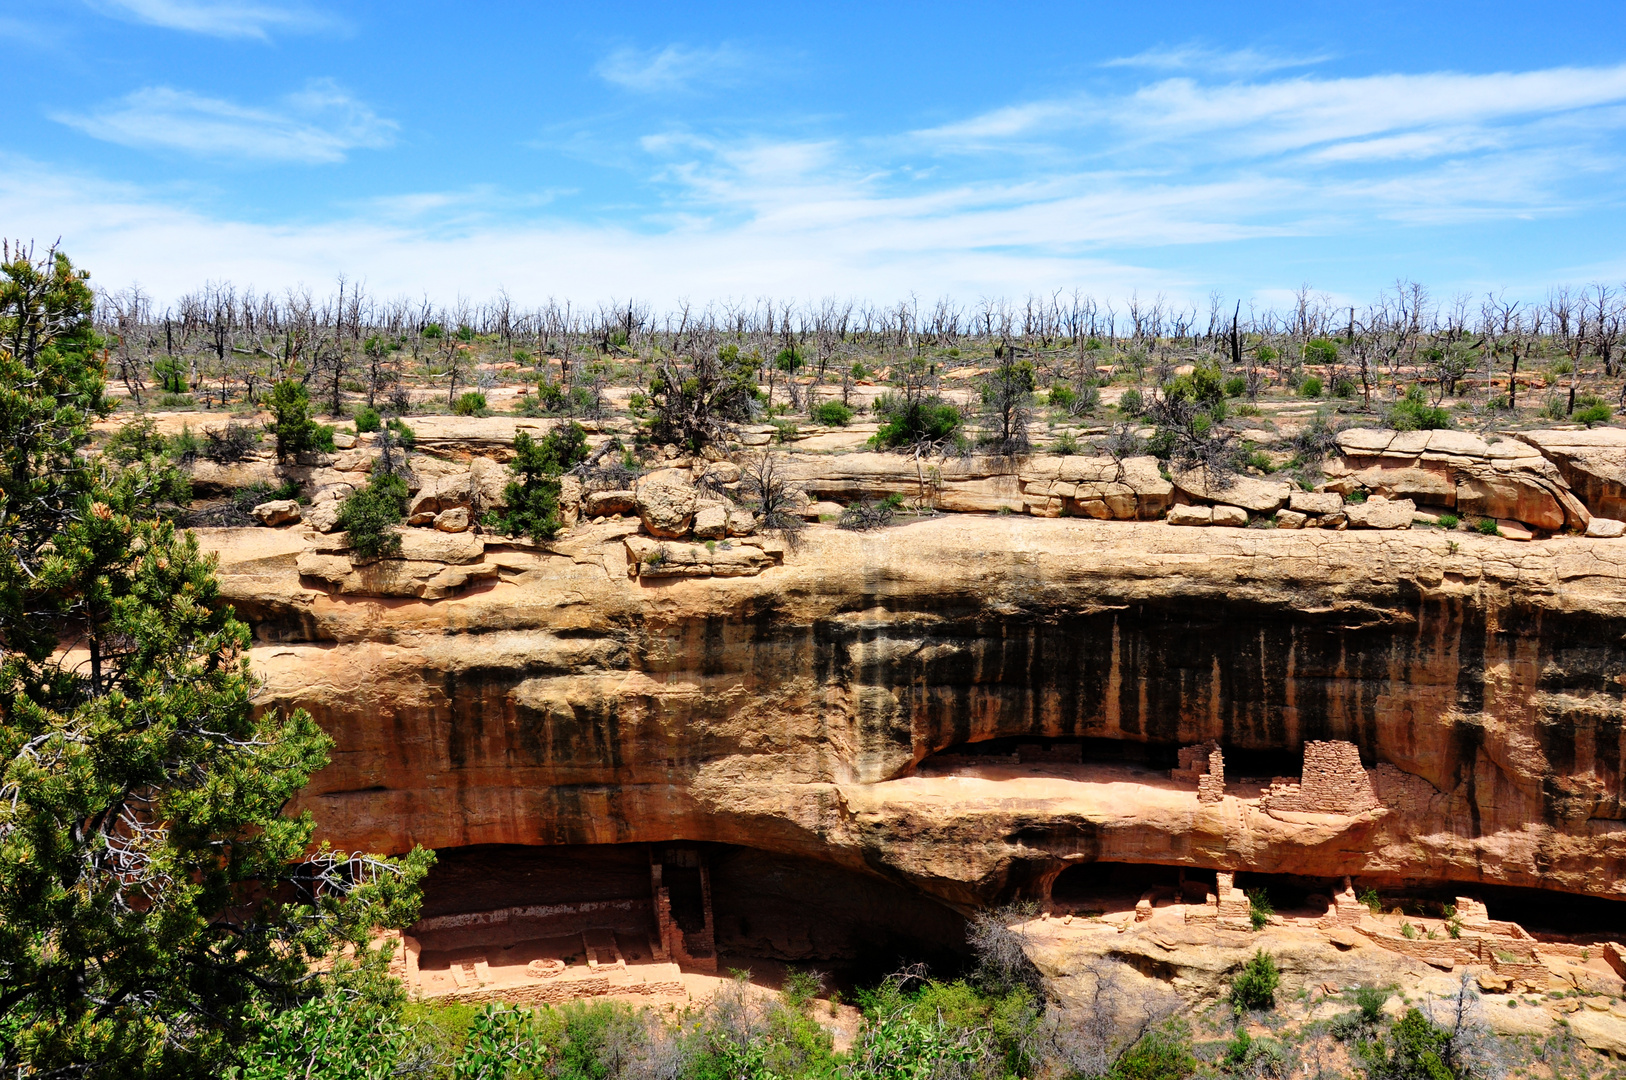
1215, 61
1365, 117
222, 18
319, 124
1179, 173
672, 68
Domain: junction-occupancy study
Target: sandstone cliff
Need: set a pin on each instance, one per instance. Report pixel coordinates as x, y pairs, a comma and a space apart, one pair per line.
556, 700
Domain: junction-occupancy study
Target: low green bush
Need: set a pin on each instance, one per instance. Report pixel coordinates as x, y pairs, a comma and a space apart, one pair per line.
137, 440
1311, 387
1132, 403
1414, 413
532, 497
1449, 521
472, 403
368, 420
403, 434
1260, 908
909, 423
295, 431
831, 414
370, 515
1590, 409
1236, 386
1488, 527
1254, 987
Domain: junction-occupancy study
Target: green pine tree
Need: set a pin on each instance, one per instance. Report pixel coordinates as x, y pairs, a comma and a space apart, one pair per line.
155, 902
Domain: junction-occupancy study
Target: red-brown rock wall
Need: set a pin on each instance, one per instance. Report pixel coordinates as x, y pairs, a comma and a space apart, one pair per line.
786, 712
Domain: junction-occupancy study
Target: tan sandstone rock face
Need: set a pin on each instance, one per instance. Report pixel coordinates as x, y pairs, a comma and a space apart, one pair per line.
815, 707
277, 512
1592, 462
666, 502
1503, 478
1380, 513
1247, 492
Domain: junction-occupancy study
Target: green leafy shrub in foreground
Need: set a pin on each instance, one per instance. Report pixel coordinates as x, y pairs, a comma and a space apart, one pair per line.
371, 514
532, 497
368, 420
1255, 985
403, 434
295, 431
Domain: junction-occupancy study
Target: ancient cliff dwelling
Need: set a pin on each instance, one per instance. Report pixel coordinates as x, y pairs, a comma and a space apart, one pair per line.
637, 768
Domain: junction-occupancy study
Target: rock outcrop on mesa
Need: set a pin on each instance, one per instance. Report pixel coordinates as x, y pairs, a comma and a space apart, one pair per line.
801, 709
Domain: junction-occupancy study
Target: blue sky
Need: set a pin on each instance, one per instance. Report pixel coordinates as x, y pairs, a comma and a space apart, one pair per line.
726, 151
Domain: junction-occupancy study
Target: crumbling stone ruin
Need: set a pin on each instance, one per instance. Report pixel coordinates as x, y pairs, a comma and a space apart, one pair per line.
1204, 765
1333, 782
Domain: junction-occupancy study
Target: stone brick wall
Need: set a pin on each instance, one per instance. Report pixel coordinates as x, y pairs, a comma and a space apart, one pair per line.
1333, 782
1204, 765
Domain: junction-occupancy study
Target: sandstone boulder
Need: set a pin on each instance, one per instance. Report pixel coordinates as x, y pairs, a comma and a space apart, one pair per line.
443, 493
1513, 530
1419, 485
1315, 502
277, 512
1191, 515
721, 473
455, 520
741, 523
1601, 1031
359, 460
334, 493
1497, 478
650, 559
1592, 462
1233, 516
210, 480
711, 523
1490, 494
610, 503
1380, 513
428, 580
1248, 492
666, 503
1606, 528
489, 479
1290, 519
343, 440
323, 517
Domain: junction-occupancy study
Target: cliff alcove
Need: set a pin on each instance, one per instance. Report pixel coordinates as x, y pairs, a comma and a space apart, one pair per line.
892, 731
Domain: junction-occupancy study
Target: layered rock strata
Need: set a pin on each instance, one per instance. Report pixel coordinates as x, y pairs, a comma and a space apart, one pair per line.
560, 700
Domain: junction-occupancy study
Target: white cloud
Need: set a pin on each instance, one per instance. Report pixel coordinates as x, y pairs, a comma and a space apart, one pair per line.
1292, 114
671, 69
1164, 174
1216, 61
221, 18
316, 125
1439, 113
